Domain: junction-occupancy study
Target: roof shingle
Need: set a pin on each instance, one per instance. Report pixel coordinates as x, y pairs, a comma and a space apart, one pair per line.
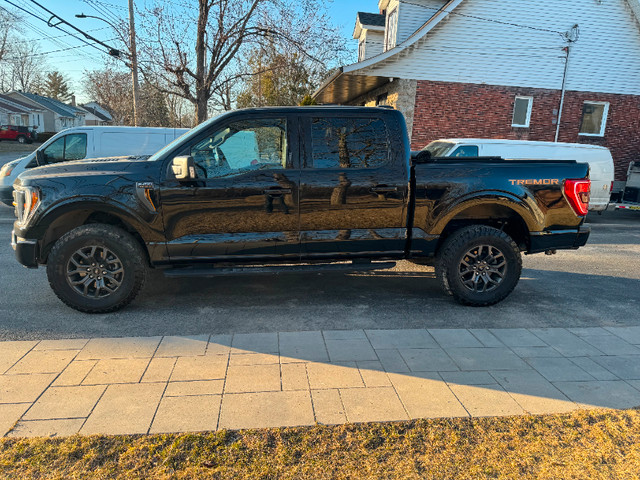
372, 19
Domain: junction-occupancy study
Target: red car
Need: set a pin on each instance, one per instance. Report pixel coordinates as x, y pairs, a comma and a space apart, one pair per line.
13, 132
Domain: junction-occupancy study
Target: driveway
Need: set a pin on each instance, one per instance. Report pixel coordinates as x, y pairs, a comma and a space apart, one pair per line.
595, 286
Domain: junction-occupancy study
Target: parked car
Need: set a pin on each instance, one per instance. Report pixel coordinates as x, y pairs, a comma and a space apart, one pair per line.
306, 187
17, 133
600, 162
87, 142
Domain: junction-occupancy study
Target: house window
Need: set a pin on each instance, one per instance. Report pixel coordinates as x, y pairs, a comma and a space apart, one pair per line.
594, 118
392, 29
361, 51
522, 112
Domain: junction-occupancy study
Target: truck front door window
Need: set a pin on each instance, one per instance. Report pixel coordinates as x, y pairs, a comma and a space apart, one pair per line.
242, 147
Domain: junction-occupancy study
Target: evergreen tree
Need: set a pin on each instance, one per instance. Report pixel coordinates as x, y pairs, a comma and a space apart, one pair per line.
55, 86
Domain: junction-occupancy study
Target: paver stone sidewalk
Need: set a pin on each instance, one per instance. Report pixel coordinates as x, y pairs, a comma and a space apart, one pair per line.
207, 382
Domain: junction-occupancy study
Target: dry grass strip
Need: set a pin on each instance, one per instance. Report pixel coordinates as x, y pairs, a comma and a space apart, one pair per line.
598, 444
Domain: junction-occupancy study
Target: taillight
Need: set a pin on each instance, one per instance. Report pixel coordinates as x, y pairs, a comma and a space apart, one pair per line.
611, 187
577, 192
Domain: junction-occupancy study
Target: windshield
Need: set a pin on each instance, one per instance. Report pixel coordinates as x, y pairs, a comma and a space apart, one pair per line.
191, 133
439, 149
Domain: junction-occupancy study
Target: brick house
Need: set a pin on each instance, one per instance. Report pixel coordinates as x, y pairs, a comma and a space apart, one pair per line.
566, 71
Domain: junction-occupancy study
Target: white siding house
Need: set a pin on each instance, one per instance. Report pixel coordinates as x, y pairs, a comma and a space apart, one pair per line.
463, 67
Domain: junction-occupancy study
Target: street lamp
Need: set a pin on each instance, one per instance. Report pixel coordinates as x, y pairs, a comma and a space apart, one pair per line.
133, 55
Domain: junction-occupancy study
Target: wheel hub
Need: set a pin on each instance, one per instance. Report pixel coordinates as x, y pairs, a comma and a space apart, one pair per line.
482, 268
95, 272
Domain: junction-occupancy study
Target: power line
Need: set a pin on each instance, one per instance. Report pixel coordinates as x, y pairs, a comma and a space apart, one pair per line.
39, 54
41, 33
45, 21
112, 51
103, 11
51, 38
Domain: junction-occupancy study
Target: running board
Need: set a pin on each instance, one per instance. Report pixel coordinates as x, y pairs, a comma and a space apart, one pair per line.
277, 270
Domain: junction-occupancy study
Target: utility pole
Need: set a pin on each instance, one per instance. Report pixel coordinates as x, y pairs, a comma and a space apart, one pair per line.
564, 89
134, 64
571, 37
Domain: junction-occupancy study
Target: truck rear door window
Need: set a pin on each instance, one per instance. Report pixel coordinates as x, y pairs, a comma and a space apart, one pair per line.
349, 142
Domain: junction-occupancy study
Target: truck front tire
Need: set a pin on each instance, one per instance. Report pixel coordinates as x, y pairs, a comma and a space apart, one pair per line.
96, 268
479, 265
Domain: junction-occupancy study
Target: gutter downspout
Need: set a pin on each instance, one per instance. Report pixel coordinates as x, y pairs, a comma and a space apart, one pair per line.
564, 84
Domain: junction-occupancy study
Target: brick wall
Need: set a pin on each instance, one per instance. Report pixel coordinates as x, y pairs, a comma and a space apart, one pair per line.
466, 110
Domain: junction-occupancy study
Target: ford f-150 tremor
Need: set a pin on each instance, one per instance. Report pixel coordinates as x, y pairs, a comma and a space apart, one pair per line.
293, 189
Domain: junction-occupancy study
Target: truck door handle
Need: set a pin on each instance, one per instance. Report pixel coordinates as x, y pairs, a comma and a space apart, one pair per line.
384, 189
277, 191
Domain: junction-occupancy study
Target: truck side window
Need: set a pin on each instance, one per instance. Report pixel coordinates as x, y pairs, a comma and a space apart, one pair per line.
349, 142
243, 146
69, 147
465, 151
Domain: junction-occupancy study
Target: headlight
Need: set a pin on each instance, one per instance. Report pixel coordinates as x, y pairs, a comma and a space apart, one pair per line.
26, 201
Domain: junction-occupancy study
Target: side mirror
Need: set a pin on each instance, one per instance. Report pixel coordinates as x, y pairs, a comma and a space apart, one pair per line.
40, 160
423, 156
184, 168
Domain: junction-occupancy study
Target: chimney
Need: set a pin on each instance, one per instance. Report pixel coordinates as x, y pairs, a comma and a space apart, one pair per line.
73, 100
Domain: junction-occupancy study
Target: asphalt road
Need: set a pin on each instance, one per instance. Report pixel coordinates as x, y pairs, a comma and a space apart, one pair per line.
598, 285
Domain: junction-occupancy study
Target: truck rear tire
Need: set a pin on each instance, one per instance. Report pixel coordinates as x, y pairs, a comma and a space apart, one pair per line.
479, 265
96, 268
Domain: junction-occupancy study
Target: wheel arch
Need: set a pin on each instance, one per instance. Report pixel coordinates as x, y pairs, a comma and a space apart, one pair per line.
67, 217
511, 215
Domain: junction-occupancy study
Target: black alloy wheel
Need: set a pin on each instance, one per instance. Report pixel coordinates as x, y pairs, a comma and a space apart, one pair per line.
478, 265
96, 268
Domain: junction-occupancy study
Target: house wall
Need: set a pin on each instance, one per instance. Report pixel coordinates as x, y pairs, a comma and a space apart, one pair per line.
48, 122
374, 43
445, 110
411, 16
523, 46
37, 120
400, 95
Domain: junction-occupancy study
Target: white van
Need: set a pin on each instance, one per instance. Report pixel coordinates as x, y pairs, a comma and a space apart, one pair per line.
88, 142
599, 158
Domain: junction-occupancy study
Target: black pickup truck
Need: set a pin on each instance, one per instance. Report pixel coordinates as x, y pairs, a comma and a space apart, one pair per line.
294, 189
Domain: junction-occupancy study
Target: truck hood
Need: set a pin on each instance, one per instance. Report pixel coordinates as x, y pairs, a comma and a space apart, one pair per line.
80, 168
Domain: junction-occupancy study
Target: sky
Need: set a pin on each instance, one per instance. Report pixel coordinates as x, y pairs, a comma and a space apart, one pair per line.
72, 62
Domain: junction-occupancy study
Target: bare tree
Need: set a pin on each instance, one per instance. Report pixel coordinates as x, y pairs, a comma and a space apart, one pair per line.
111, 88
196, 65
27, 66
7, 27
